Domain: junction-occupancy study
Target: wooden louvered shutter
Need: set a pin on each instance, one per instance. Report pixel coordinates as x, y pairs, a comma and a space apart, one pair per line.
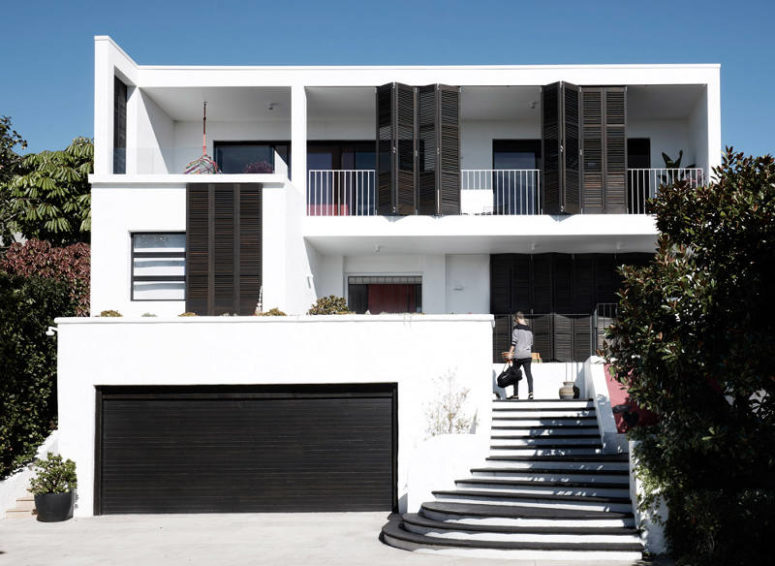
543, 329
427, 147
448, 165
606, 280
550, 124
592, 159
520, 283
563, 284
582, 338
405, 176
570, 149
541, 283
563, 338
616, 150
501, 269
119, 126
501, 341
223, 248
198, 254
583, 284
385, 155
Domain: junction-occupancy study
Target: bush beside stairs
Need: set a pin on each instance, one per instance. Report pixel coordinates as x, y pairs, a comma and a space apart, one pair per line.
546, 492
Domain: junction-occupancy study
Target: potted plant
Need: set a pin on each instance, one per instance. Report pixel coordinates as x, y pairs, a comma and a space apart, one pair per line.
53, 486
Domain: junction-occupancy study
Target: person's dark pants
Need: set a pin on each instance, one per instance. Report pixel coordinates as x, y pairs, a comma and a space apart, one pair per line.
525, 363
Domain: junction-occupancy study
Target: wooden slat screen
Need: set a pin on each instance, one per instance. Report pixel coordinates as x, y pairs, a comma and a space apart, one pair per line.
616, 150
223, 248
448, 168
119, 126
570, 149
427, 143
385, 143
592, 140
405, 150
550, 125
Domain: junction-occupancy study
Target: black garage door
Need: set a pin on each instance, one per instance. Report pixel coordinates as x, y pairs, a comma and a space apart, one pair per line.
246, 449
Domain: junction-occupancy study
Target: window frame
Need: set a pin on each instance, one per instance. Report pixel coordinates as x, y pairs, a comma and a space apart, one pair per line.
155, 278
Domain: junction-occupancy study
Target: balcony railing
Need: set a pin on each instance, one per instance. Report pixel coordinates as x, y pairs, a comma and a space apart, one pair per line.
346, 192
501, 191
643, 184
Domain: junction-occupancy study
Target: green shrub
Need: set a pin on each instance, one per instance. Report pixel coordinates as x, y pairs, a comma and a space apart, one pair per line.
148, 315
110, 313
53, 475
188, 314
329, 305
694, 343
272, 312
28, 361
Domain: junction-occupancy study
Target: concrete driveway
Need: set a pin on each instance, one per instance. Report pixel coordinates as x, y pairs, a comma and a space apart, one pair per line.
304, 539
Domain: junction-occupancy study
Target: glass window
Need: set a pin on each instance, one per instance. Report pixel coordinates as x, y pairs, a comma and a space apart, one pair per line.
158, 267
384, 293
515, 186
250, 157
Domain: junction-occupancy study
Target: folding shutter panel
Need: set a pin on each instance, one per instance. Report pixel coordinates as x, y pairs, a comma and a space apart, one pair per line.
616, 150
563, 338
582, 338
541, 283
223, 247
385, 144
119, 126
542, 328
197, 248
570, 149
520, 283
427, 149
592, 159
605, 278
501, 337
448, 164
552, 181
500, 283
250, 253
563, 284
583, 284
405, 176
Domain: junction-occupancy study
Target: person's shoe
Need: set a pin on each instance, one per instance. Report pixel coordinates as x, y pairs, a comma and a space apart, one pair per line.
516, 397
529, 395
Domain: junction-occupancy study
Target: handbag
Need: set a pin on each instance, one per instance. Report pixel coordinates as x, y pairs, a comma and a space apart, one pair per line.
509, 376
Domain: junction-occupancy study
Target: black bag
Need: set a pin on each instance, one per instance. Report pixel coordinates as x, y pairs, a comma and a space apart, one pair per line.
509, 376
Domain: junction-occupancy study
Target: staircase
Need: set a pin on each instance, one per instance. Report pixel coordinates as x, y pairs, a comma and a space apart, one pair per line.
24, 508
546, 492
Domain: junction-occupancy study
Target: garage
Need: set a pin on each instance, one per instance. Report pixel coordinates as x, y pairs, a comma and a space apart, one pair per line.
262, 448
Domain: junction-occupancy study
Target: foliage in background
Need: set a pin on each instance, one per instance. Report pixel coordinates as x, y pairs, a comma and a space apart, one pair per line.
70, 265
694, 342
53, 475
28, 402
272, 312
50, 195
9, 162
446, 415
329, 305
110, 314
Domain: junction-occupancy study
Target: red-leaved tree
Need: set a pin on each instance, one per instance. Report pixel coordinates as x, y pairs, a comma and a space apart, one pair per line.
69, 264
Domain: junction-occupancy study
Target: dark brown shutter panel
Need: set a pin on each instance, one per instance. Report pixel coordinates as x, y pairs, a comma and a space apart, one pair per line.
570, 149
582, 338
500, 283
520, 283
223, 248
448, 165
405, 123
550, 125
541, 279
592, 160
197, 247
250, 258
501, 341
563, 283
427, 147
385, 155
583, 283
119, 126
543, 330
616, 151
563, 338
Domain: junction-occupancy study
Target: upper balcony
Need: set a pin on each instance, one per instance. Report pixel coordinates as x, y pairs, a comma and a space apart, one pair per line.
330, 144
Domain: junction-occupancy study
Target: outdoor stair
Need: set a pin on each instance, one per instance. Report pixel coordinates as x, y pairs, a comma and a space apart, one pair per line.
546, 492
25, 507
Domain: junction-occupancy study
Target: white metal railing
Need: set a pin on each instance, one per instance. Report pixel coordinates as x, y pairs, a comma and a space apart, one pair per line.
643, 184
344, 192
514, 191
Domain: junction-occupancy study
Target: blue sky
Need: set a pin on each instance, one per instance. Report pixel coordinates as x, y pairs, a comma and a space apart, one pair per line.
46, 85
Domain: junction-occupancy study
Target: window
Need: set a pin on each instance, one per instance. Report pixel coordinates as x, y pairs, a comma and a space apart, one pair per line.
158, 266
515, 187
250, 157
390, 294
119, 126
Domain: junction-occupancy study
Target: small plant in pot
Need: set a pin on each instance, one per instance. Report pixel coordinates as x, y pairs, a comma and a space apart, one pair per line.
53, 486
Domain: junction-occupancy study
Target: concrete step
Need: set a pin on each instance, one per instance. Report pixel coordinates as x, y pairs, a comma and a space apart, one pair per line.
539, 475
545, 432
542, 413
501, 421
543, 451
26, 503
18, 513
495, 485
543, 404
601, 463
510, 440
581, 503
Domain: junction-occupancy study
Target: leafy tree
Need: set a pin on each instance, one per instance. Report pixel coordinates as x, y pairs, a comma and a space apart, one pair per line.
9, 161
28, 401
50, 195
694, 342
69, 264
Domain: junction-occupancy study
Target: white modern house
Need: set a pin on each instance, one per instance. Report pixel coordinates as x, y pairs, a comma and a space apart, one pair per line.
436, 200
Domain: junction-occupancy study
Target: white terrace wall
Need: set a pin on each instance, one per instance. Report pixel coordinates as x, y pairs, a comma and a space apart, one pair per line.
414, 351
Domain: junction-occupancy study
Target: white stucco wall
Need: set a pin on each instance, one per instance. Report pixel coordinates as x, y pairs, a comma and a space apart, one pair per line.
467, 283
211, 350
476, 138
